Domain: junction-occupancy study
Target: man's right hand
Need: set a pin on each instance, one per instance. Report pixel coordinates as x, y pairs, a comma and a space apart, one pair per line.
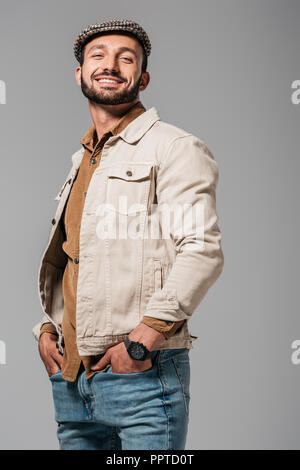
49, 353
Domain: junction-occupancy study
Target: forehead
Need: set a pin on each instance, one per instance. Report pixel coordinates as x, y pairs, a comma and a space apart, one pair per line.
114, 41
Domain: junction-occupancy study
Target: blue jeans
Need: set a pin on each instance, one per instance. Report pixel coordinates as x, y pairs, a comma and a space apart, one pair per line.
111, 411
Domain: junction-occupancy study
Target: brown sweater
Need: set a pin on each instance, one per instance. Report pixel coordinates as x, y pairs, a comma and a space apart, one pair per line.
70, 224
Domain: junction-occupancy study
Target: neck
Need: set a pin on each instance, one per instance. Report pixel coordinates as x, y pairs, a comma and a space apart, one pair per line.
106, 116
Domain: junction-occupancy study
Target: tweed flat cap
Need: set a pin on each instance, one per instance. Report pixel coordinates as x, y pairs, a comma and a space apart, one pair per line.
112, 25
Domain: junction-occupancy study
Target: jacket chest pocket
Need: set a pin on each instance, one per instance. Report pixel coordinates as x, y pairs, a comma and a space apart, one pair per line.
128, 187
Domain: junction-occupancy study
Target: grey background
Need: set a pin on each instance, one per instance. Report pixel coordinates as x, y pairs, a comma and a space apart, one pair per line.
223, 71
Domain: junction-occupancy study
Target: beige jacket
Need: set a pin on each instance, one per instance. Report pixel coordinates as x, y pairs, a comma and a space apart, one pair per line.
150, 244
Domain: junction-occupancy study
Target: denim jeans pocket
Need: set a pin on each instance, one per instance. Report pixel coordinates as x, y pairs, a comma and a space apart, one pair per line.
154, 355
54, 376
143, 372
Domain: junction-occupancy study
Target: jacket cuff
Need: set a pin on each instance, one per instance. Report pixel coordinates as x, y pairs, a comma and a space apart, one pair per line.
48, 328
167, 328
36, 330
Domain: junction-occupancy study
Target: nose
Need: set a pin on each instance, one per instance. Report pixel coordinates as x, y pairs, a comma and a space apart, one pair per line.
110, 64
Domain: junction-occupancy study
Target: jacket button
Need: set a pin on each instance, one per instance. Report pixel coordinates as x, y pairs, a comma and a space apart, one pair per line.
76, 260
93, 160
129, 173
53, 221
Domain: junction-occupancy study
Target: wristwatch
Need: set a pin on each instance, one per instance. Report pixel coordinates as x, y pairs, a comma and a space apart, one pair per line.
136, 350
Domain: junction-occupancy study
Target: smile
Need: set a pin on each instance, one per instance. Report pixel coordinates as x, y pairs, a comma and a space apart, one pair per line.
107, 80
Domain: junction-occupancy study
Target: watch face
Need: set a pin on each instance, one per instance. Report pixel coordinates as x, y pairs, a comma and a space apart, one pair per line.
137, 351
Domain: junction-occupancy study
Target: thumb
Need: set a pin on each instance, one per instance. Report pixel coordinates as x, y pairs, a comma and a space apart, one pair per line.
102, 362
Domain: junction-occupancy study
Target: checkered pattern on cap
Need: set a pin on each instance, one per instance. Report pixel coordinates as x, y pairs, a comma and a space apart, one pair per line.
112, 25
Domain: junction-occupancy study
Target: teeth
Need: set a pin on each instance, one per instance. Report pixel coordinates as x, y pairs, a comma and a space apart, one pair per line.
107, 80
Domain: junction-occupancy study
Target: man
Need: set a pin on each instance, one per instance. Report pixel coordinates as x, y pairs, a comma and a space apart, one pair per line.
117, 293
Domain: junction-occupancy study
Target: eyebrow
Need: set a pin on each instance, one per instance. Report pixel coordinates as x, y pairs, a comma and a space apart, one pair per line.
121, 49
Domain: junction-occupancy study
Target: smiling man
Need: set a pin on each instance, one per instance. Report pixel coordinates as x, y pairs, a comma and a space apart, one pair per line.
114, 337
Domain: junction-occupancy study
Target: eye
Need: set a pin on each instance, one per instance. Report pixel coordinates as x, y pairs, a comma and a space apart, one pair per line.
126, 58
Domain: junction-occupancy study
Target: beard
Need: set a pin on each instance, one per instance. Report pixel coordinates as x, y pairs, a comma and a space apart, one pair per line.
110, 97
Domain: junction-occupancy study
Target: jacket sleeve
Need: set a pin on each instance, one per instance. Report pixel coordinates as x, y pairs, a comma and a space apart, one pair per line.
188, 175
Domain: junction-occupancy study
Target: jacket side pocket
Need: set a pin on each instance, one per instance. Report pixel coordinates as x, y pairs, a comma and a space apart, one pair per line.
157, 275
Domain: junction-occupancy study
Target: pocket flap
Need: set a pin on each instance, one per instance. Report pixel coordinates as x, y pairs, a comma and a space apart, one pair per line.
130, 172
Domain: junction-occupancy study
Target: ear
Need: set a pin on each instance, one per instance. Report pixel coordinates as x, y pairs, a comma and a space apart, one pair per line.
78, 75
144, 81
